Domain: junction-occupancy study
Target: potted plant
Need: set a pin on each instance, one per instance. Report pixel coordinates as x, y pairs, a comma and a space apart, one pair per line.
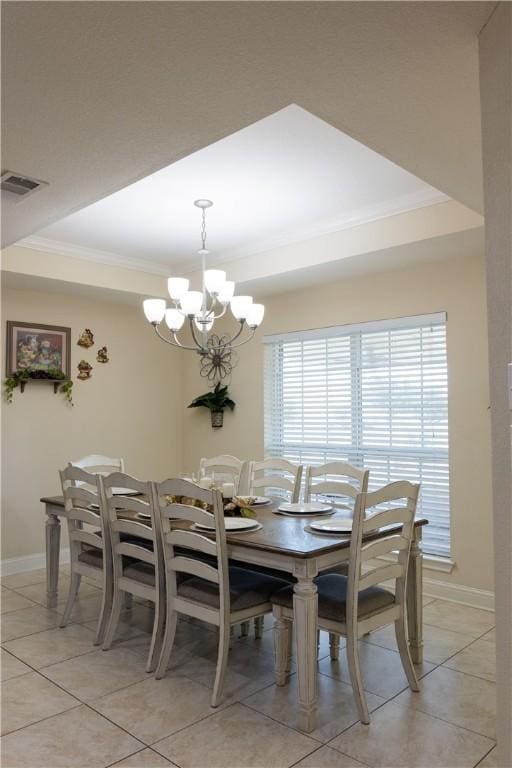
216, 402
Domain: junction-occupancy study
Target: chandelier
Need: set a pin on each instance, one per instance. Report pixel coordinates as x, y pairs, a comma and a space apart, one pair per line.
202, 308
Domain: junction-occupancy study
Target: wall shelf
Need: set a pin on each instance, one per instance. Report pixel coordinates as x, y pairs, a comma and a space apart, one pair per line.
56, 383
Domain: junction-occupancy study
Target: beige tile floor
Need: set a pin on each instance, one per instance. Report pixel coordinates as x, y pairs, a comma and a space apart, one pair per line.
67, 703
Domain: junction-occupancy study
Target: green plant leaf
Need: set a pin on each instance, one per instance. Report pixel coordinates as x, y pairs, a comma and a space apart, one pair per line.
218, 400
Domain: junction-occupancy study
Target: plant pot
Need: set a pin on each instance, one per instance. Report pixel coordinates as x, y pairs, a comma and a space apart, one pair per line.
217, 419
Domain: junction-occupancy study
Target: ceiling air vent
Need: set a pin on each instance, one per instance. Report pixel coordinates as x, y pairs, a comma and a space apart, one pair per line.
19, 185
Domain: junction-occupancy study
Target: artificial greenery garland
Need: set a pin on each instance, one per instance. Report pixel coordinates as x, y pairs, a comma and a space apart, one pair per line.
26, 374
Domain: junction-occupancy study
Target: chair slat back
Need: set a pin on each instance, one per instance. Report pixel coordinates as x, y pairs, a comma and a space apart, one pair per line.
96, 464
398, 518
331, 487
175, 500
131, 521
77, 503
275, 474
225, 468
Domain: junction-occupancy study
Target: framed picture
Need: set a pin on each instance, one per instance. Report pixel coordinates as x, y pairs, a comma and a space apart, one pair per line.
37, 347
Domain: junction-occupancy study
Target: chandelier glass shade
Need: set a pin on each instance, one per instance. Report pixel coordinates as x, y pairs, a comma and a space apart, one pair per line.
200, 309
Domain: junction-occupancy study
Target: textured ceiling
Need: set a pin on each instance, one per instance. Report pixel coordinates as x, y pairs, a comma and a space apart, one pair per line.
99, 94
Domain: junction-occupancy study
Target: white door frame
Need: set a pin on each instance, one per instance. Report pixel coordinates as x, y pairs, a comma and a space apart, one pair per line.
495, 47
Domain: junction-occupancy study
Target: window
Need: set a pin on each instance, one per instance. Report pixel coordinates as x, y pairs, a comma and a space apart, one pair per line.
374, 394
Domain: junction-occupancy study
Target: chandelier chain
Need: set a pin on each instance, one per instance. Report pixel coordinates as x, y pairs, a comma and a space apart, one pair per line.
203, 229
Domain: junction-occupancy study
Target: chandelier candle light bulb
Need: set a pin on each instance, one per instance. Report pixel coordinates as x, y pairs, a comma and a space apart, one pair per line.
226, 292
191, 302
240, 306
174, 319
154, 309
214, 279
255, 315
202, 308
177, 287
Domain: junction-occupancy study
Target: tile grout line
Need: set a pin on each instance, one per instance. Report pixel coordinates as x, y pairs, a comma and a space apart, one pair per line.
483, 758
242, 701
395, 696
429, 714
47, 717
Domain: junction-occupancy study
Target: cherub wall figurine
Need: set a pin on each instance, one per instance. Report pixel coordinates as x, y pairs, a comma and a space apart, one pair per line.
102, 356
86, 338
84, 370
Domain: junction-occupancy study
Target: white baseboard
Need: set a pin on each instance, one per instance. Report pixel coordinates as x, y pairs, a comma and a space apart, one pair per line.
28, 563
457, 593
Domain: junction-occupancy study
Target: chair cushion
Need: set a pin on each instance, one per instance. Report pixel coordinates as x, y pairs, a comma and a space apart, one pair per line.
262, 569
247, 588
196, 554
141, 572
91, 556
332, 598
341, 569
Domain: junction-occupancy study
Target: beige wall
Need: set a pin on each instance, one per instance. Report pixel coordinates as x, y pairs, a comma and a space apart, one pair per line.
41, 433
456, 286
131, 407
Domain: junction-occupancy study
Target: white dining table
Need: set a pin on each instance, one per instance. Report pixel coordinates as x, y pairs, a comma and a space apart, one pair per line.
284, 544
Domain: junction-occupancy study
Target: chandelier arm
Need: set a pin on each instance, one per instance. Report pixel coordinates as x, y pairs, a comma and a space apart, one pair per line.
238, 333
200, 347
176, 342
211, 311
244, 341
221, 314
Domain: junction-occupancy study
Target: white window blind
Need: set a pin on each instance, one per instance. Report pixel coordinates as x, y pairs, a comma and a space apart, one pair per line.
375, 395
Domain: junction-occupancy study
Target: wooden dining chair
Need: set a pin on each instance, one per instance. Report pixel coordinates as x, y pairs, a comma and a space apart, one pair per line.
96, 464
338, 484
136, 553
355, 605
274, 475
213, 591
224, 467
89, 550
332, 481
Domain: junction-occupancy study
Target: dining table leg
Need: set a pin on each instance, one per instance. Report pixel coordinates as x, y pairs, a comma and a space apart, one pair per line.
415, 598
305, 608
52, 558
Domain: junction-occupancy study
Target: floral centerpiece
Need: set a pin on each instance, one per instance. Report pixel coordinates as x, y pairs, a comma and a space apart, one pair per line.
238, 506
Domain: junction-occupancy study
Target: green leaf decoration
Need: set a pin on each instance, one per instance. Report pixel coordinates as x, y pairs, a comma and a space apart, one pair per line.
216, 401
26, 374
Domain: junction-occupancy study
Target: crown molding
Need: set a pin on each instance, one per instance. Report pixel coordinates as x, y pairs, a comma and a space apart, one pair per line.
91, 254
403, 204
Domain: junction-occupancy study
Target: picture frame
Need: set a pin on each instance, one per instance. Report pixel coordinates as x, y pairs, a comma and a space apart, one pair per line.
37, 347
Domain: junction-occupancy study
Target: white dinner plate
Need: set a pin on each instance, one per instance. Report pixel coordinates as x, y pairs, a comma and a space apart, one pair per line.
259, 501
124, 492
311, 508
232, 524
310, 514
333, 526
